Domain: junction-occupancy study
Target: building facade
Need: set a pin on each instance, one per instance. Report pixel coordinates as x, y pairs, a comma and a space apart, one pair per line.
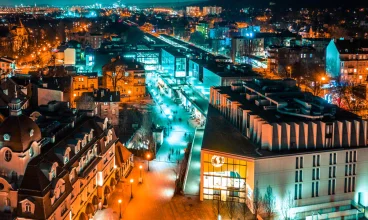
347, 60
125, 76
305, 150
58, 165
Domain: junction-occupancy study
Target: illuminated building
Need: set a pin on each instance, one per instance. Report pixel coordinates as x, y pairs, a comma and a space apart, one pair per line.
203, 28
83, 83
267, 133
58, 163
126, 76
347, 60
212, 10
193, 10
7, 65
174, 63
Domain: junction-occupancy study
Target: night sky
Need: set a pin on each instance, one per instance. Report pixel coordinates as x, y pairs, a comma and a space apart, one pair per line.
224, 3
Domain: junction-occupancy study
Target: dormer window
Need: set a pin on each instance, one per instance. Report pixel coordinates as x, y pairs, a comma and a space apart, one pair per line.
66, 158
28, 207
8, 156
6, 137
31, 132
31, 152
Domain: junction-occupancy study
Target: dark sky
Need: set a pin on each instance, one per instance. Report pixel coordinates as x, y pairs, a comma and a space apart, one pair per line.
83, 2
238, 3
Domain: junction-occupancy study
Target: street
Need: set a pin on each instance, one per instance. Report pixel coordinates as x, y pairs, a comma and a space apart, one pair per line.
154, 198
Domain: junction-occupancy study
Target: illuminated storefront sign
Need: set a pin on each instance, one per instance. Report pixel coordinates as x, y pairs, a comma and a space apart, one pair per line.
217, 161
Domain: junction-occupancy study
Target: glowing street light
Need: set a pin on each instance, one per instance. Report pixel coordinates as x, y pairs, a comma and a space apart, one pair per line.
323, 78
120, 201
140, 173
131, 188
148, 158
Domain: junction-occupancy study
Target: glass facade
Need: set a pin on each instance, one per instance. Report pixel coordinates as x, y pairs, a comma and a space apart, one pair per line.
224, 178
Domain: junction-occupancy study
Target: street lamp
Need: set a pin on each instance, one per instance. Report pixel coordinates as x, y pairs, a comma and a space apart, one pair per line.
148, 158
131, 188
140, 173
289, 68
129, 92
120, 208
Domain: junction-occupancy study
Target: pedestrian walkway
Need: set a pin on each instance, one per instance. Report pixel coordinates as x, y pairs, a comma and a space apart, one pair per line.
191, 186
167, 113
153, 199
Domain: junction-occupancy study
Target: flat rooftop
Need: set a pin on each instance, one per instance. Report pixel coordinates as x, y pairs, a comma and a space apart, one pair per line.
289, 96
221, 136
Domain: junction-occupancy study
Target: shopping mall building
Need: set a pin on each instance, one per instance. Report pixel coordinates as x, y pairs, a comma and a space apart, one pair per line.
268, 133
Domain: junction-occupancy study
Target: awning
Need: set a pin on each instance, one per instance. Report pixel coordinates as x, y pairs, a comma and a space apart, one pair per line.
90, 209
95, 200
83, 216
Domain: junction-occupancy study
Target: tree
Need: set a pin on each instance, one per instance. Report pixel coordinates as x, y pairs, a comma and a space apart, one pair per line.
116, 74
231, 208
217, 204
197, 38
257, 201
85, 102
269, 202
287, 204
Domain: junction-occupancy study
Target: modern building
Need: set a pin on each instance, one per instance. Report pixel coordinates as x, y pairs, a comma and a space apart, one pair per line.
347, 60
59, 163
267, 134
211, 10
174, 63
203, 28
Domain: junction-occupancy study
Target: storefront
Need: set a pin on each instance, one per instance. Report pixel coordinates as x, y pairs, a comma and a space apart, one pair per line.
223, 178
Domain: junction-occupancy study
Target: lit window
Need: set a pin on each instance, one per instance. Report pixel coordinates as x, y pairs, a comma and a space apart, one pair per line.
28, 207
6, 137
8, 156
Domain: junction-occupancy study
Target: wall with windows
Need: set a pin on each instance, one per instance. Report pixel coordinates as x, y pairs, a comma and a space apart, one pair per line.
315, 178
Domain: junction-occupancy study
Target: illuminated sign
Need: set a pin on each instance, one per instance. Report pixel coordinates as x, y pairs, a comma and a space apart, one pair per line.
217, 161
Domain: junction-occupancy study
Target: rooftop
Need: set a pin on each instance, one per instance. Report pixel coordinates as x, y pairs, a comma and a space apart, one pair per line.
282, 101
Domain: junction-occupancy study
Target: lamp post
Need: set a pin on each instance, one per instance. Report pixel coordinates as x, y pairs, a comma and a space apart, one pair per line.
129, 92
289, 68
148, 158
131, 188
140, 173
120, 217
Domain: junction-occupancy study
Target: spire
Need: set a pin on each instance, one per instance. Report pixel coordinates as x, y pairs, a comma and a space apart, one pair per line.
15, 104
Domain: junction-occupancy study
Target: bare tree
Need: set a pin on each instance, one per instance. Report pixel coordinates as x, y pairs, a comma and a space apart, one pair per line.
231, 207
287, 204
115, 75
269, 202
217, 204
85, 102
123, 120
257, 201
